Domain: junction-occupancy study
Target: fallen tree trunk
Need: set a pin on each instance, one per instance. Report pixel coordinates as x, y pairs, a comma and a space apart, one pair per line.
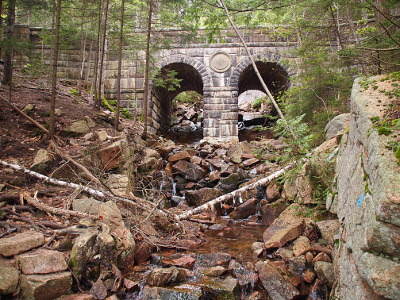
41, 127
135, 201
210, 204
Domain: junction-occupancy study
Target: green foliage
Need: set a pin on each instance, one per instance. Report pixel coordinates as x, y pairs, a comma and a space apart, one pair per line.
167, 79
257, 102
190, 97
298, 146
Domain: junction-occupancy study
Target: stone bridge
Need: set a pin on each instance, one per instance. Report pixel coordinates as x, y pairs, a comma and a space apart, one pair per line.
219, 71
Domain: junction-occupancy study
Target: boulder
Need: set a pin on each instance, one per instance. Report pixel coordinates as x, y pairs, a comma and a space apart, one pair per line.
191, 171
41, 161
45, 286
301, 245
271, 211
81, 252
284, 229
220, 288
184, 291
336, 125
166, 276
20, 242
77, 128
276, 285
229, 184
328, 229
324, 271
213, 259
245, 210
182, 155
9, 278
201, 196
151, 161
86, 205
41, 261
113, 156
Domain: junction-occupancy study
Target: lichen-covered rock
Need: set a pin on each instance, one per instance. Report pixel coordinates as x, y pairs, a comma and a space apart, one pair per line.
277, 287
41, 161
9, 279
41, 261
45, 286
336, 125
166, 276
220, 288
184, 291
20, 242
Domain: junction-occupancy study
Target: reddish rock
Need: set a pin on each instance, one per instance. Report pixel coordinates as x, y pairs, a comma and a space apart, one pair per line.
45, 286
309, 276
282, 231
166, 276
77, 297
196, 160
112, 157
203, 195
244, 210
183, 155
216, 162
322, 256
41, 261
191, 171
309, 257
301, 245
250, 162
271, 211
143, 252
275, 284
185, 261
272, 192
248, 156
216, 271
21, 242
214, 176
168, 170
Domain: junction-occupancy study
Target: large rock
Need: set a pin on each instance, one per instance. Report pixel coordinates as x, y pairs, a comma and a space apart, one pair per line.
41, 161
277, 286
20, 243
301, 245
328, 229
220, 288
9, 279
184, 292
190, 170
183, 155
110, 214
166, 276
271, 211
336, 125
150, 161
368, 201
236, 151
45, 287
113, 156
77, 128
213, 259
41, 261
284, 229
86, 205
82, 251
201, 196
245, 210
229, 184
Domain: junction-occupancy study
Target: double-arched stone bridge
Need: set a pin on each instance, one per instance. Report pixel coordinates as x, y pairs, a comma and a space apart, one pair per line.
219, 71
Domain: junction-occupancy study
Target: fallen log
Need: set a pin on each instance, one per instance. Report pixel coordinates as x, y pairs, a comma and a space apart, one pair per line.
41, 127
210, 204
135, 201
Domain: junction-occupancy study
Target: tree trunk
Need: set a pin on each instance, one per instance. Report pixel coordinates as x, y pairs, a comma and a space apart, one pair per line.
121, 36
83, 48
9, 32
56, 44
96, 58
103, 52
147, 93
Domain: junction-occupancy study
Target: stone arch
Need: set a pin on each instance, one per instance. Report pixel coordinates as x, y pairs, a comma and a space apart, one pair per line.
275, 74
194, 76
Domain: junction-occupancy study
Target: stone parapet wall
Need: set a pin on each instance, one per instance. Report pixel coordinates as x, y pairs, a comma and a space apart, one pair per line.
367, 205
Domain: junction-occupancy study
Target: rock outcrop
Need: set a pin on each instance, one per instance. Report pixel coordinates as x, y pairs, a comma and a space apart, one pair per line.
368, 204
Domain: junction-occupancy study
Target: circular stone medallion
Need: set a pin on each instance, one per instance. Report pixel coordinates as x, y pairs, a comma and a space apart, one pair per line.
220, 62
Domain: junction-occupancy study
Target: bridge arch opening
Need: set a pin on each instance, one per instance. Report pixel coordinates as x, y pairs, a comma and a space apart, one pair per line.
189, 85
255, 108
